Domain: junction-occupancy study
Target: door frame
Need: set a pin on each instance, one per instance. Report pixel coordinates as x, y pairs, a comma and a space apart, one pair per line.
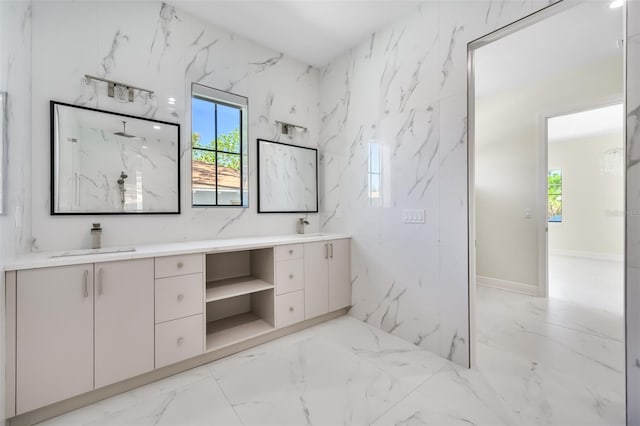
543, 143
472, 46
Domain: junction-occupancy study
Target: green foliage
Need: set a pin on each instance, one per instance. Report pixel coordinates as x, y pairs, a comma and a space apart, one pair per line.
229, 142
554, 207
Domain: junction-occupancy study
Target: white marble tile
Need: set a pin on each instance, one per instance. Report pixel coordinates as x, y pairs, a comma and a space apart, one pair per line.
314, 381
552, 361
453, 397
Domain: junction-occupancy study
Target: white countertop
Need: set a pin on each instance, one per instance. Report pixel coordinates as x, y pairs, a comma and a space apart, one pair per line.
76, 257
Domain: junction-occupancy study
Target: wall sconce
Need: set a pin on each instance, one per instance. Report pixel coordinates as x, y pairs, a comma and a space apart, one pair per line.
287, 128
119, 91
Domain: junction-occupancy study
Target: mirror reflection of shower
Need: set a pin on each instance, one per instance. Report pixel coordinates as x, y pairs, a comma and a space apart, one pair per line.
123, 176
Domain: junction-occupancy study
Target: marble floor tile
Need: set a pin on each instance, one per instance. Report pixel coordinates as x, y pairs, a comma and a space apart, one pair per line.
453, 396
315, 381
558, 360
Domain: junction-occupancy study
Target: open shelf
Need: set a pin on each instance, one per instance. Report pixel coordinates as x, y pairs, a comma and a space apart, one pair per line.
234, 329
232, 287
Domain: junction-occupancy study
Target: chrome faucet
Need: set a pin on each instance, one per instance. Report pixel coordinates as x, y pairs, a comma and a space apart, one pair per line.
300, 225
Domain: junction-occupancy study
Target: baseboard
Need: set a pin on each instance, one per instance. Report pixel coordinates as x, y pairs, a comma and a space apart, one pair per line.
531, 290
587, 255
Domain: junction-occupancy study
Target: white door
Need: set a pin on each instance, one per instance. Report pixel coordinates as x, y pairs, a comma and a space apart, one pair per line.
316, 279
54, 335
339, 274
124, 318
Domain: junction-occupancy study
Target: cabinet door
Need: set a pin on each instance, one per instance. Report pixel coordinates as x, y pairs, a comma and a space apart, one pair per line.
339, 274
54, 335
124, 320
316, 279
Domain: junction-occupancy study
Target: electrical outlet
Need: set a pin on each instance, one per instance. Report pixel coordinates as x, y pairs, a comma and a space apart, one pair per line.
413, 215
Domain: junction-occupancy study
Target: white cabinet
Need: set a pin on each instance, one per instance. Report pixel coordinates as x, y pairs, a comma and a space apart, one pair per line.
54, 319
289, 276
124, 320
316, 279
179, 339
289, 308
82, 327
327, 277
339, 274
74, 329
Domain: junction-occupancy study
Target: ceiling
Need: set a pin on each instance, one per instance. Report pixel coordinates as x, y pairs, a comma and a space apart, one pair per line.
574, 38
594, 122
314, 32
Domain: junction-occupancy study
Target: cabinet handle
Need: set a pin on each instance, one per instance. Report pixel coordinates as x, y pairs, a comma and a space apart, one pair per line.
331, 251
86, 284
290, 251
290, 308
100, 274
180, 297
290, 276
326, 251
180, 265
180, 340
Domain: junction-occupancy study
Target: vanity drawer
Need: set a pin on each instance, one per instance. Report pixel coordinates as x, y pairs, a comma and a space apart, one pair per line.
179, 340
170, 266
290, 251
289, 308
289, 276
179, 297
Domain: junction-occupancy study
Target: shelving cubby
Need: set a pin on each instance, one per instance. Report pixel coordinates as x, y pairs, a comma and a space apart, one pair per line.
239, 296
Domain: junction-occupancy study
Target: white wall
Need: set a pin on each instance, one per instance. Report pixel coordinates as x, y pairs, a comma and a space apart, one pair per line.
405, 88
507, 159
155, 46
592, 201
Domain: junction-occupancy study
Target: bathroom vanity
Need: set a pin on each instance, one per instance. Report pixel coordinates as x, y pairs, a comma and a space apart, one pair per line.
84, 327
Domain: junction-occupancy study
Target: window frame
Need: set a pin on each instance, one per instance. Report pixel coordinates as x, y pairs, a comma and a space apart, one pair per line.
230, 100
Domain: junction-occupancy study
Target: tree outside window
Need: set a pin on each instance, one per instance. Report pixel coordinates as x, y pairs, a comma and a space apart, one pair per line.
554, 193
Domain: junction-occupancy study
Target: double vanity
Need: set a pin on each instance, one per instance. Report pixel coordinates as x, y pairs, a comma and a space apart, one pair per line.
81, 326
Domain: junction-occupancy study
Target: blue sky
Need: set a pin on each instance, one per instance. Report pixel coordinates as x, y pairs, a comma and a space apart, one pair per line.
203, 116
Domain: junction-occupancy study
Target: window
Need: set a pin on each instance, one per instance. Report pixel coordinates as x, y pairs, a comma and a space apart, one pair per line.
554, 207
374, 174
218, 148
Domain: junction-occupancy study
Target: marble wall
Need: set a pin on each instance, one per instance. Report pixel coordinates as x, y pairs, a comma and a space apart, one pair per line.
632, 300
15, 81
159, 47
405, 91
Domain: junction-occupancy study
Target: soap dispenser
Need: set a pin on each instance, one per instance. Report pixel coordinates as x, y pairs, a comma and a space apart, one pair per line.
96, 236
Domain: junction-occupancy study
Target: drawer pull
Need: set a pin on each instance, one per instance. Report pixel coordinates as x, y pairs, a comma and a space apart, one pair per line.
180, 265
290, 251
290, 308
290, 276
180, 340
180, 297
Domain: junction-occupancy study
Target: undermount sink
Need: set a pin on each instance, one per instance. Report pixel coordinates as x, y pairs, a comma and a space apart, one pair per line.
317, 234
93, 251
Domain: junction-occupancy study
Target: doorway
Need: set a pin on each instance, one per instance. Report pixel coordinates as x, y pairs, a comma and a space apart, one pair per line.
585, 238
550, 359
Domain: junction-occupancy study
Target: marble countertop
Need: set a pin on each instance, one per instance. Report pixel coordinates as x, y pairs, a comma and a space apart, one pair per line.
76, 257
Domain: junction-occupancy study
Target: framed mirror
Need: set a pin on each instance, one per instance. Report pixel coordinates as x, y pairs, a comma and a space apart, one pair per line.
108, 163
287, 178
